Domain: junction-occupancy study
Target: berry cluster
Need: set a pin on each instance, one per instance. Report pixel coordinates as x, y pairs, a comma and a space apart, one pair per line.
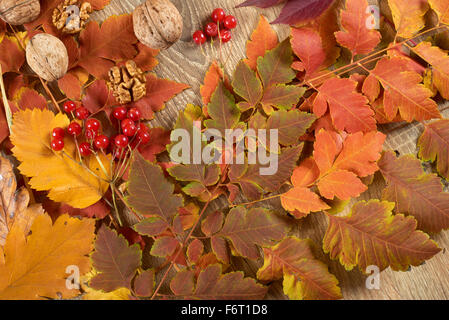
131, 131
221, 26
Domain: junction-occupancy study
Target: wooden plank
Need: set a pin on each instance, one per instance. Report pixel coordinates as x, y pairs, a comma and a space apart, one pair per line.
184, 62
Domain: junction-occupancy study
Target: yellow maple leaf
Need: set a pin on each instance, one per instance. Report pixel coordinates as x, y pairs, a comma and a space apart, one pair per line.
36, 266
59, 172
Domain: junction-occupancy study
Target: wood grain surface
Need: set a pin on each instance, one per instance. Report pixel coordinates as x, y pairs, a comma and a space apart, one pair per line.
185, 62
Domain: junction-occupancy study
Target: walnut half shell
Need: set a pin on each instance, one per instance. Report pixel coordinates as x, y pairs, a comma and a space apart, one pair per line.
17, 12
157, 23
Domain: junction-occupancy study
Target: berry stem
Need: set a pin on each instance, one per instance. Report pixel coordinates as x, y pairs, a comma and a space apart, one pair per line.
114, 201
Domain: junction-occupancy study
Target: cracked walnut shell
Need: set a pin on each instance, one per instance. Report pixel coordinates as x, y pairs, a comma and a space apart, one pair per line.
127, 82
157, 23
17, 12
71, 16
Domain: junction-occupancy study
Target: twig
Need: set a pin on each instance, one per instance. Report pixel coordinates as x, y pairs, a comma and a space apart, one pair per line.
8, 112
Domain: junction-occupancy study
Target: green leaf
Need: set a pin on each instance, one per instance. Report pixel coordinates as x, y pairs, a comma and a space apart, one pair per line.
282, 96
291, 125
258, 226
115, 261
150, 193
275, 66
247, 85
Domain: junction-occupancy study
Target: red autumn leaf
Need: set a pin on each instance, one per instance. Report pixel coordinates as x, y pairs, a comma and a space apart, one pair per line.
115, 261
294, 257
114, 40
159, 139
211, 284
308, 47
159, 91
356, 36
12, 57
195, 250
348, 108
294, 11
403, 90
27, 98
372, 235
98, 97
212, 223
263, 38
434, 145
98, 210
146, 57
164, 247
415, 192
70, 86
213, 77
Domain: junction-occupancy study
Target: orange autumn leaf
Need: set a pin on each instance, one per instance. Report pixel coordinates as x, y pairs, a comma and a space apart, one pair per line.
439, 60
403, 90
441, 7
301, 201
341, 184
372, 235
213, 77
12, 57
263, 38
408, 16
356, 36
348, 108
27, 98
306, 174
307, 45
35, 266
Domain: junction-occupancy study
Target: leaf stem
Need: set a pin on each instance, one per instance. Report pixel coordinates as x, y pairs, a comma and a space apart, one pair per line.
8, 112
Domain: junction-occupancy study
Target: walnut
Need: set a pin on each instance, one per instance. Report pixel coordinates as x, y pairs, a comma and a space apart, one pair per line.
47, 56
17, 12
70, 16
157, 23
128, 82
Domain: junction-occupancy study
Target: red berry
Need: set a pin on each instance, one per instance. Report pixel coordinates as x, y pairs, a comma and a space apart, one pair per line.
144, 137
57, 144
69, 106
82, 113
85, 149
212, 29
121, 141
143, 127
230, 22
58, 133
134, 114
129, 130
74, 129
93, 125
127, 122
218, 15
101, 142
199, 37
225, 35
119, 113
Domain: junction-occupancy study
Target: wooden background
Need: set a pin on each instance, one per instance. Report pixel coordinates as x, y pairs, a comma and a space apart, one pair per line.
184, 62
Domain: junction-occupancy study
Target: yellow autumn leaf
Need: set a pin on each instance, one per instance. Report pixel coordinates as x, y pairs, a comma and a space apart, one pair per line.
35, 267
14, 209
92, 294
58, 172
408, 16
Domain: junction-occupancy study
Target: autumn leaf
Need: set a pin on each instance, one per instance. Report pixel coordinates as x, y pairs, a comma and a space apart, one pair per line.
213, 77
144, 283
408, 16
291, 125
372, 235
35, 266
150, 193
294, 11
247, 85
275, 66
98, 97
146, 57
434, 145
27, 98
211, 284
257, 226
64, 177
4, 129
403, 90
439, 60
415, 192
195, 250
308, 47
355, 35
92, 294
115, 261
281, 96
301, 201
348, 108
12, 57
14, 205
441, 7
305, 277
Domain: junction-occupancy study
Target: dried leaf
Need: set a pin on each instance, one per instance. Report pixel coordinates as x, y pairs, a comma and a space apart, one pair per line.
415, 192
195, 250
301, 201
12, 57
372, 235
144, 283
115, 261
164, 247
356, 36
35, 266
282, 96
441, 7
434, 145
213, 285
305, 277
247, 85
213, 77
308, 47
258, 226
408, 16
66, 180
